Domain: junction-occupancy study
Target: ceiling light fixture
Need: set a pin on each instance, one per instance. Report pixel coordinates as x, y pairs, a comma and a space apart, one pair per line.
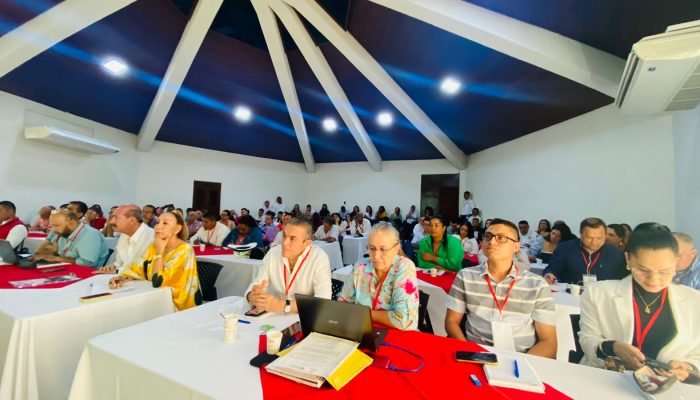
329, 124
242, 113
115, 66
450, 85
385, 118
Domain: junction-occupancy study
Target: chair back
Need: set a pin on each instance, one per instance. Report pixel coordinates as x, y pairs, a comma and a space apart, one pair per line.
424, 324
207, 273
576, 356
336, 287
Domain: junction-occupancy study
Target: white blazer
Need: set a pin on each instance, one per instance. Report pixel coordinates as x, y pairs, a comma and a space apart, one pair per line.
606, 314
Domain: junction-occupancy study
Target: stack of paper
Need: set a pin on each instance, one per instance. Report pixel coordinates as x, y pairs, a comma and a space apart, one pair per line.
319, 358
503, 374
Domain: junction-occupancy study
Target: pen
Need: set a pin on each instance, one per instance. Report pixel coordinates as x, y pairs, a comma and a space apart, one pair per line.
291, 342
475, 380
515, 369
243, 321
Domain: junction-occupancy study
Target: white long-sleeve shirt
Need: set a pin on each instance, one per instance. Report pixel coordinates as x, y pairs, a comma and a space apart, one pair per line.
467, 207
16, 234
214, 236
362, 229
322, 234
130, 249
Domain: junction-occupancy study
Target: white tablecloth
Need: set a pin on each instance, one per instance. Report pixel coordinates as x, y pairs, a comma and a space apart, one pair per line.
333, 251
32, 243
354, 248
182, 356
42, 331
235, 276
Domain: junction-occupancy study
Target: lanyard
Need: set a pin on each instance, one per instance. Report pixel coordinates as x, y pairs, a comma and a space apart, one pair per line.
589, 264
71, 241
641, 333
294, 277
375, 299
493, 293
210, 234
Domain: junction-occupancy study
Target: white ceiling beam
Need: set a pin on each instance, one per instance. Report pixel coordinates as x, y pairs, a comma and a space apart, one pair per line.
330, 84
374, 72
51, 27
180, 64
550, 51
273, 39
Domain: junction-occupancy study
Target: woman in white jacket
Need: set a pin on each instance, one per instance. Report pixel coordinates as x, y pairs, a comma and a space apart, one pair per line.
644, 315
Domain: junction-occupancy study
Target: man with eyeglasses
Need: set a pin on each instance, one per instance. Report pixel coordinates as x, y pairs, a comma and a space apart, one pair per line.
506, 306
589, 255
688, 270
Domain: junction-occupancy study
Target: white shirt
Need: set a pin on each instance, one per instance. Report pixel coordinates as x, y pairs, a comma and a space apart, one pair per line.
467, 207
278, 239
130, 249
313, 278
469, 245
322, 234
412, 216
16, 234
418, 234
343, 228
364, 229
532, 239
216, 237
276, 208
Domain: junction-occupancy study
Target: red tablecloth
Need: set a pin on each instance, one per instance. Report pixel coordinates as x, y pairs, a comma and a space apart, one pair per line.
441, 378
40, 235
212, 251
11, 273
444, 281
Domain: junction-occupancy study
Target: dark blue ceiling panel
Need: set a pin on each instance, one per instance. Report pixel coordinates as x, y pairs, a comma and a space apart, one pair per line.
610, 25
16, 12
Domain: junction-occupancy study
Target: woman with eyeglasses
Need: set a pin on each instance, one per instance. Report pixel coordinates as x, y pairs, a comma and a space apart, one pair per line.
644, 316
439, 250
386, 281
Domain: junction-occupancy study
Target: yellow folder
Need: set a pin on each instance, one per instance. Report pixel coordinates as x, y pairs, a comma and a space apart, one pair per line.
353, 365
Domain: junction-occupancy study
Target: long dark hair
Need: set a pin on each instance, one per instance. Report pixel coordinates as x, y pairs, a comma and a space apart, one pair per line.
443, 242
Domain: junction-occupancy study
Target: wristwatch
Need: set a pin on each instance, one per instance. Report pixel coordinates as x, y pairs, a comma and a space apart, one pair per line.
287, 306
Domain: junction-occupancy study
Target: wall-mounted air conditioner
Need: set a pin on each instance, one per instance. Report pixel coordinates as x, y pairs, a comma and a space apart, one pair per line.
70, 140
663, 72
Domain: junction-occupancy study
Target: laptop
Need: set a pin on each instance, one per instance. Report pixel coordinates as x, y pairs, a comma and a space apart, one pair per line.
344, 320
8, 255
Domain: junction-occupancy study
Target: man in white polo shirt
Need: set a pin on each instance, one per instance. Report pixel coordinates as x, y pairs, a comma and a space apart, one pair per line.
294, 267
134, 240
212, 233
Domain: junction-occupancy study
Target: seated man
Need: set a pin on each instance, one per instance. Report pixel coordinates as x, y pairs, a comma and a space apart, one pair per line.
12, 228
286, 217
269, 228
588, 255
149, 215
688, 269
421, 230
360, 226
530, 241
328, 231
41, 223
77, 243
245, 232
296, 266
136, 237
212, 233
515, 306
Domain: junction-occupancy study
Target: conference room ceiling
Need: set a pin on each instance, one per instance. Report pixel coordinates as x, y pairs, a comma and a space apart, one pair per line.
502, 98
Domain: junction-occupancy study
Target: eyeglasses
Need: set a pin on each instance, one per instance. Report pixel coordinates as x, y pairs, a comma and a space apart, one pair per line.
381, 251
665, 273
500, 238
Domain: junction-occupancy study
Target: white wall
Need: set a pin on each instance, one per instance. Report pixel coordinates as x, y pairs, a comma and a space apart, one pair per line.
33, 174
686, 134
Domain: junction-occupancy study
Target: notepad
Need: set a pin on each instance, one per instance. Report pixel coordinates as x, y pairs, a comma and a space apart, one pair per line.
503, 374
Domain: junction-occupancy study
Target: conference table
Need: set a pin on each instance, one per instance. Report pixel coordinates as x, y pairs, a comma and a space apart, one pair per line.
565, 303
238, 272
183, 356
43, 331
354, 248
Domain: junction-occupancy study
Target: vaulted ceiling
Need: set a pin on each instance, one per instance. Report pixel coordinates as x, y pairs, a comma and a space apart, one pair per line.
502, 97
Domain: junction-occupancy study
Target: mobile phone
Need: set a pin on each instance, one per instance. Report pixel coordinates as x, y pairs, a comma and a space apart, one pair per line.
292, 329
95, 297
476, 357
52, 269
254, 312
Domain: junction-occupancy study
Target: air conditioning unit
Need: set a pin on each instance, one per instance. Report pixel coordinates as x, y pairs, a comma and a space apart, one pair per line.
70, 140
663, 72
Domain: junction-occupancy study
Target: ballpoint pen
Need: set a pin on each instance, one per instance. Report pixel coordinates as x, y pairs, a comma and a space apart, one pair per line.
516, 371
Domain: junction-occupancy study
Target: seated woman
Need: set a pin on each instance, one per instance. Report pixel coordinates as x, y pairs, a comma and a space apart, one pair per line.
386, 282
550, 243
439, 250
644, 315
469, 245
616, 235
543, 228
95, 218
225, 219
245, 232
381, 214
169, 261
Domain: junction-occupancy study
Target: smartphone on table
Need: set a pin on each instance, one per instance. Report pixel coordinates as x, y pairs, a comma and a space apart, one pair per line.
476, 357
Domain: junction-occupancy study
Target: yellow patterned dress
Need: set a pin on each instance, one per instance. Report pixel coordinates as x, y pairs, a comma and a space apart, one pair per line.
179, 272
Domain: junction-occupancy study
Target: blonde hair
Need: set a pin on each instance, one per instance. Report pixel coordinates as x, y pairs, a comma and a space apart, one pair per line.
184, 233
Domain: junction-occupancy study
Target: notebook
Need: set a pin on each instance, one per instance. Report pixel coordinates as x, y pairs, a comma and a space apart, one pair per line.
503, 374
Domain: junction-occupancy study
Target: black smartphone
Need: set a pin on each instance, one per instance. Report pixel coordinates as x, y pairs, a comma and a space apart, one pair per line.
254, 312
51, 269
292, 329
95, 297
476, 357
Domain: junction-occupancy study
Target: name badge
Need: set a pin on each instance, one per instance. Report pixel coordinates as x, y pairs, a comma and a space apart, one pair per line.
502, 333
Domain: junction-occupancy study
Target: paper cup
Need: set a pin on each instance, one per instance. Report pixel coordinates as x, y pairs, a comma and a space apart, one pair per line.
575, 289
589, 279
274, 340
202, 246
433, 272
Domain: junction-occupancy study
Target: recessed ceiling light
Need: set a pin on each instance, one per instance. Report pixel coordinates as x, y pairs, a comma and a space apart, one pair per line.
242, 113
329, 124
450, 85
115, 67
385, 118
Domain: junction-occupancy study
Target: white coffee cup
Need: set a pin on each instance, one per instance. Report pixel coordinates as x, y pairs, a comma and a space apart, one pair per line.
202, 246
433, 272
575, 289
274, 341
589, 279
230, 330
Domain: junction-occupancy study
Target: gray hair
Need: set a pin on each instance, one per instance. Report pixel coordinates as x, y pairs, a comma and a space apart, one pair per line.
683, 237
297, 221
135, 212
386, 228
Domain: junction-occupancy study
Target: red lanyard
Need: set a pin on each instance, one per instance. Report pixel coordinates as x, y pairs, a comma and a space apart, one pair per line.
71, 240
294, 277
379, 290
493, 294
641, 333
209, 235
589, 264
